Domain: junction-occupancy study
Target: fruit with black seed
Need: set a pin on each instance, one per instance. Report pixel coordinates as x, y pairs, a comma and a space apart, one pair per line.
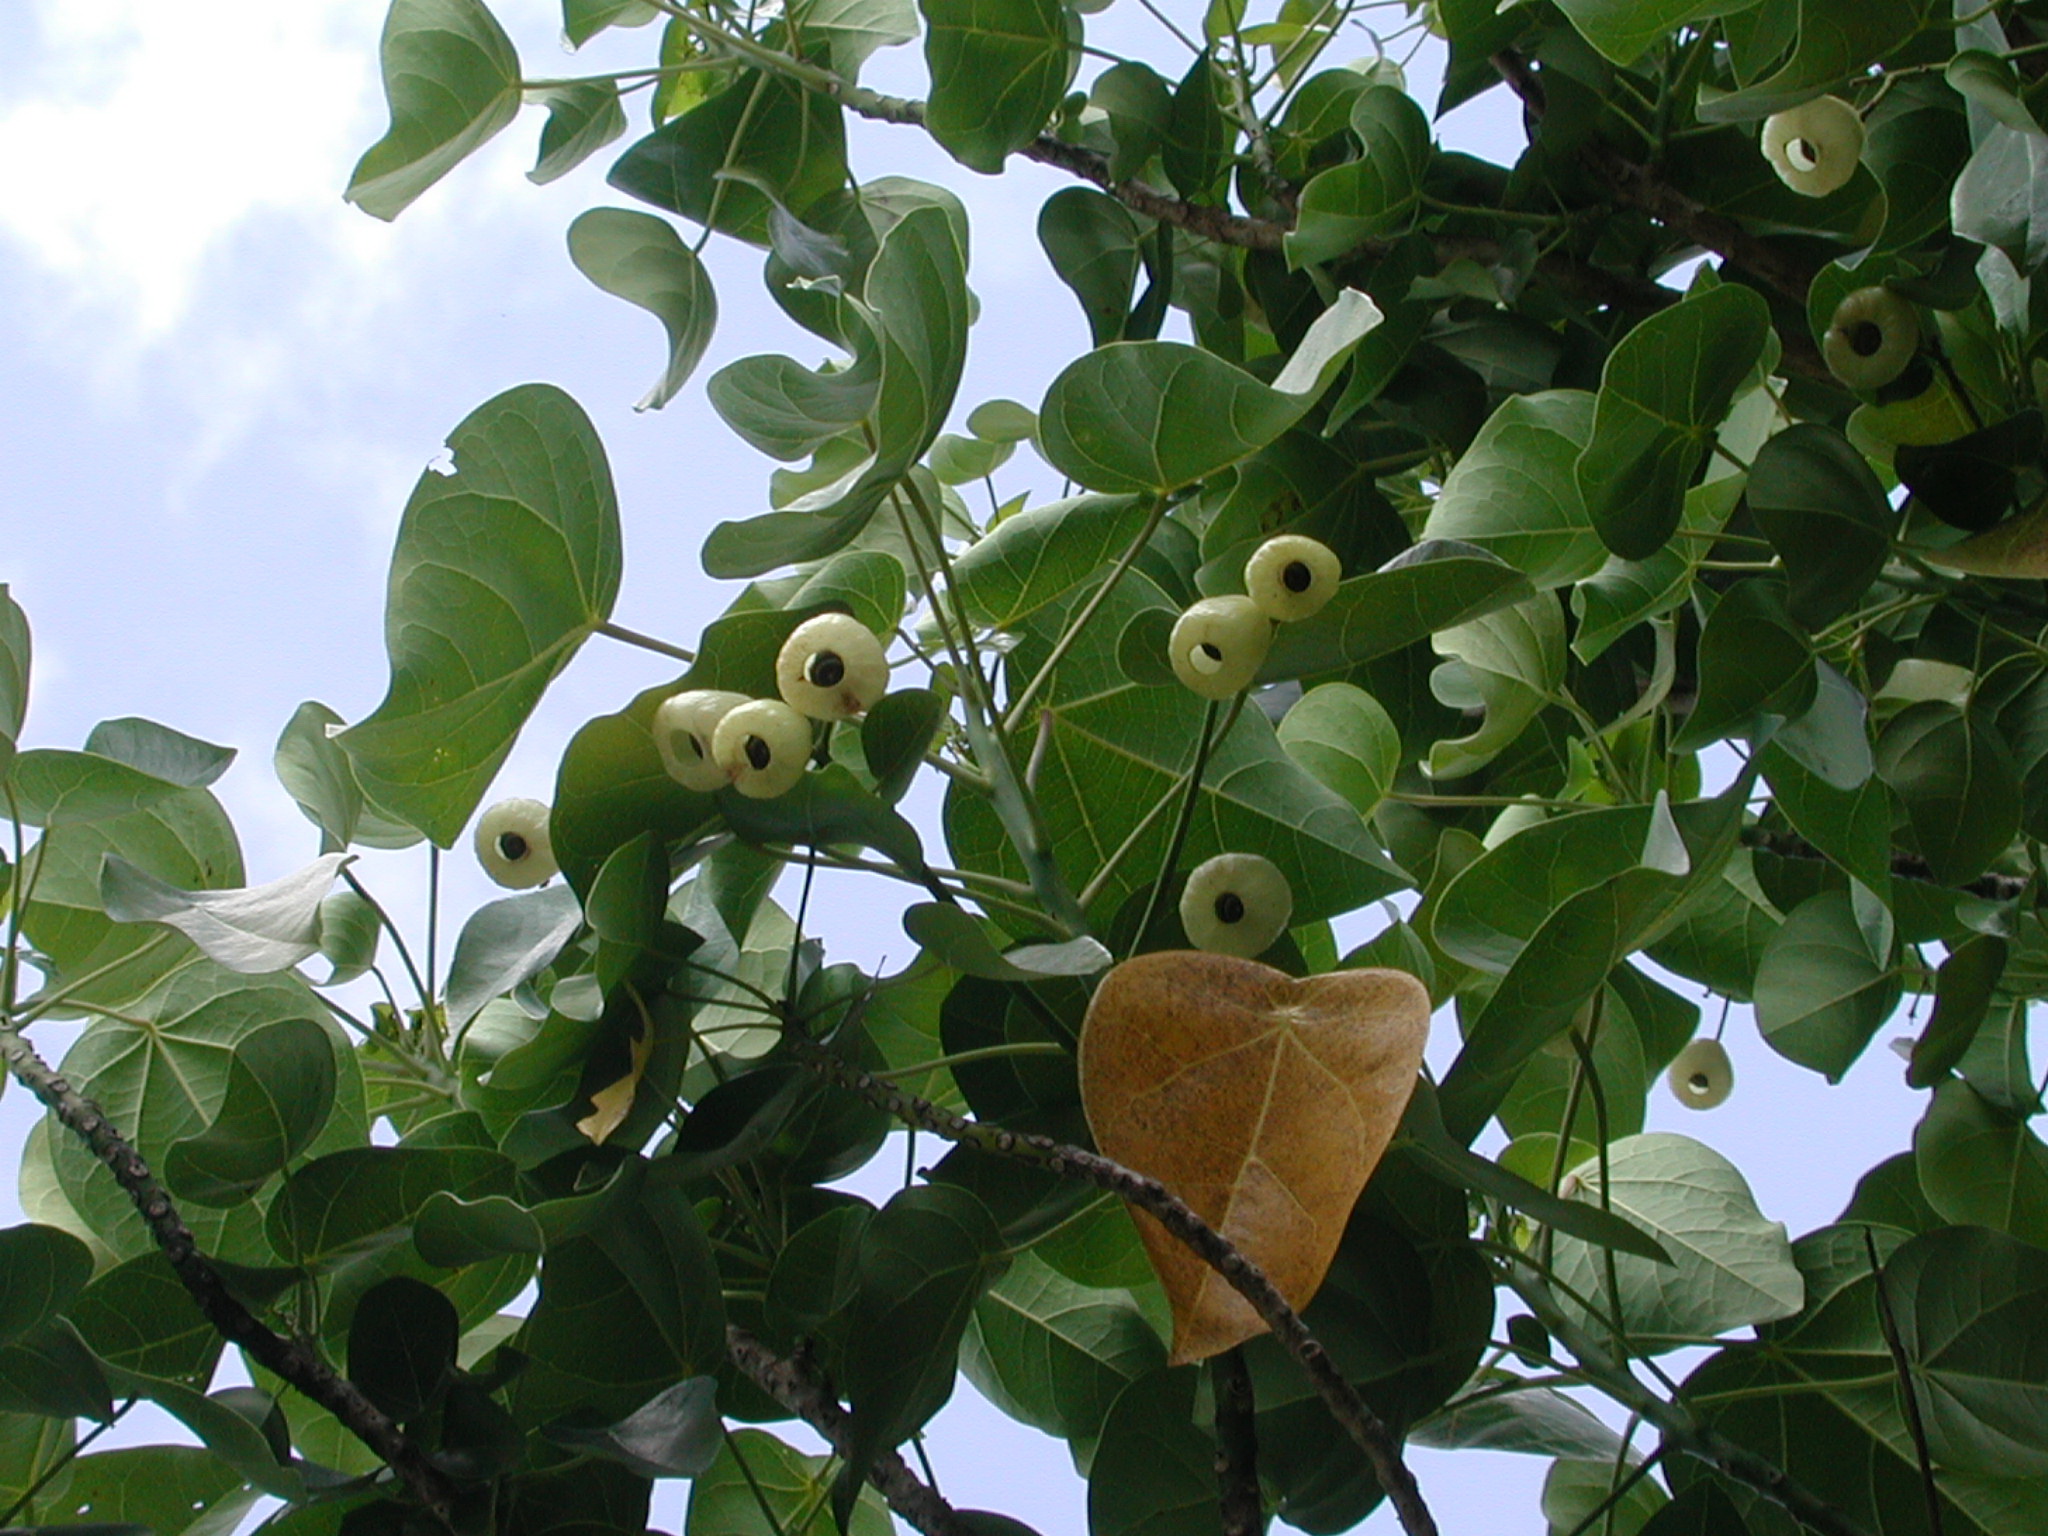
683, 729
1872, 336
1218, 644
1292, 576
1815, 146
511, 841
831, 668
1702, 1075
762, 747
1236, 904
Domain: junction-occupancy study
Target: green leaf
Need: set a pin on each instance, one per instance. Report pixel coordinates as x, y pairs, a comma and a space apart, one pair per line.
1512, 493
1154, 1472
762, 142
1832, 739
503, 568
255, 931
402, 1344
1852, 827
855, 30
1820, 991
1116, 748
1573, 1490
139, 1317
1970, 482
1342, 735
1092, 241
639, 258
1972, 1310
281, 1084
1198, 143
999, 70
361, 1196
1729, 1267
1834, 43
1157, 415
1701, 1510
1623, 30
160, 751
45, 1268
451, 80
504, 943
923, 1262
1956, 778
1817, 499
895, 736
1982, 1165
1963, 989
451, 1232
51, 1372
753, 1470
583, 117
1622, 593
1039, 555
866, 583
15, 651
163, 1489
317, 774
1992, 83
1139, 105
56, 788
1536, 1422
1054, 1354
675, 1433
161, 1072
627, 1309
1429, 587
584, 19
1374, 196
953, 937
915, 303
1664, 391
1753, 660
827, 806
1511, 662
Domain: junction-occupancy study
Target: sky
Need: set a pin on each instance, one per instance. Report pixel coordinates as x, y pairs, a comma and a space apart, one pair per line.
220, 383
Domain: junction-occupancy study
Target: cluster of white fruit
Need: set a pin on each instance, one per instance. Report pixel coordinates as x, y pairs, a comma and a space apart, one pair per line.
830, 668
1219, 643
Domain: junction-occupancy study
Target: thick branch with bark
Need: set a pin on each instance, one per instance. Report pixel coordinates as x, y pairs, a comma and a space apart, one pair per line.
1906, 866
1381, 1446
1238, 1501
800, 1388
285, 1358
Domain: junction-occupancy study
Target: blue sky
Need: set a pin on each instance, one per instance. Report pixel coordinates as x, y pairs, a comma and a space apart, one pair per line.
221, 383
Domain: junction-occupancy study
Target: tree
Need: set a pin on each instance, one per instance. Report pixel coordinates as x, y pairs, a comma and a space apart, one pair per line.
1456, 554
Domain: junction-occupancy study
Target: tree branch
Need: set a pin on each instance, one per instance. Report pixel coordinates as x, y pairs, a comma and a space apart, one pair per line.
1237, 1446
282, 1357
1382, 1448
799, 1387
1789, 845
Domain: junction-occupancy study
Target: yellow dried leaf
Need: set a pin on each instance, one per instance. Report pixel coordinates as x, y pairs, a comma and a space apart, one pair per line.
610, 1105
1262, 1101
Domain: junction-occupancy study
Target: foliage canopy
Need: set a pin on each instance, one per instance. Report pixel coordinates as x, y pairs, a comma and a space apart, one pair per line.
1683, 488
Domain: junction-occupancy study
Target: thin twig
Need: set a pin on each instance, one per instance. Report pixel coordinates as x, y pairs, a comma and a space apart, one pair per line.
289, 1359
1914, 1422
1237, 1446
1381, 1446
798, 1387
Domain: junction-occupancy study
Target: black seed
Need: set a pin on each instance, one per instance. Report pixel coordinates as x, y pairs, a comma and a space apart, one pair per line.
759, 753
696, 747
512, 846
1865, 337
1297, 577
826, 669
1700, 1082
1210, 651
1230, 908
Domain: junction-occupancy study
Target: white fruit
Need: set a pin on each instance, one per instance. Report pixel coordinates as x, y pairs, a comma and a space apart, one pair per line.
1291, 576
1218, 644
762, 745
1702, 1076
683, 728
512, 844
831, 668
1872, 336
1814, 147
1236, 904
